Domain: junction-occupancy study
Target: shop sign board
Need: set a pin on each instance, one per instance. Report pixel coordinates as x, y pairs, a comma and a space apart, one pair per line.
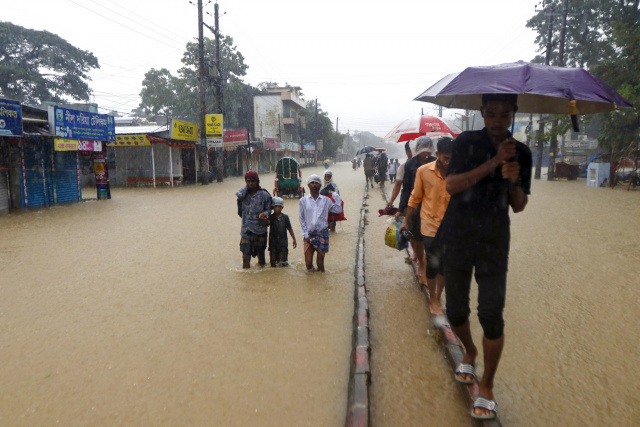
308, 146
136, 140
271, 143
74, 124
10, 118
184, 131
60, 144
214, 142
214, 125
235, 138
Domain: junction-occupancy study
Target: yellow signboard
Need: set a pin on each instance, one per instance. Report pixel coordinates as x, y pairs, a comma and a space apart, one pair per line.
214, 125
60, 144
130, 141
184, 131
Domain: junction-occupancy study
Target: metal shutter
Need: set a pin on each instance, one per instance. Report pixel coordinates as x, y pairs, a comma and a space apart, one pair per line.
66, 176
36, 188
4, 193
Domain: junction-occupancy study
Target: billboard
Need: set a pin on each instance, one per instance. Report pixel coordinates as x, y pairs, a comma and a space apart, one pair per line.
10, 118
308, 146
184, 131
74, 124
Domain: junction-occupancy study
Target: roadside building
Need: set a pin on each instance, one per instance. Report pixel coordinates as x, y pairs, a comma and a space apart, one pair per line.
278, 124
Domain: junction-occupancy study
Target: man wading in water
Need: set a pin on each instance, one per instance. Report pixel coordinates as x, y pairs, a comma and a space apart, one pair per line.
254, 205
489, 171
314, 214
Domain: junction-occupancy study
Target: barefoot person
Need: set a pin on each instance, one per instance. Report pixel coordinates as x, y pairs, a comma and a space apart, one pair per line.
489, 171
314, 211
430, 191
254, 204
421, 156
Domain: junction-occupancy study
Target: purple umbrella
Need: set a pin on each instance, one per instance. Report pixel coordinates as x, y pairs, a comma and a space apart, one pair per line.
540, 88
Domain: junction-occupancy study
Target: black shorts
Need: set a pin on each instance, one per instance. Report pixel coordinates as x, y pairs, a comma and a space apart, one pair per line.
434, 266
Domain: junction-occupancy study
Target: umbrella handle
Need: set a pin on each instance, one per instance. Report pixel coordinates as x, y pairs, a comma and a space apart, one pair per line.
573, 111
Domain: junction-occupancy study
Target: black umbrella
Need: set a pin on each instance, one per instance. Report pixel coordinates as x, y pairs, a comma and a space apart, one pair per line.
365, 150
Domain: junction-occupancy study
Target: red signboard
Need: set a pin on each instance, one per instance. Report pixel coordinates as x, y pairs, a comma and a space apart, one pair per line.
272, 143
235, 136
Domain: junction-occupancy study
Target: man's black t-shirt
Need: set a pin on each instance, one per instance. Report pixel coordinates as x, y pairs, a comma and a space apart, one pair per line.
477, 219
409, 179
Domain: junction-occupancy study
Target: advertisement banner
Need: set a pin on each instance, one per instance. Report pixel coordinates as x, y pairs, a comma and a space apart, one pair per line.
308, 146
271, 143
74, 124
214, 126
214, 142
76, 145
130, 141
184, 131
10, 118
235, 138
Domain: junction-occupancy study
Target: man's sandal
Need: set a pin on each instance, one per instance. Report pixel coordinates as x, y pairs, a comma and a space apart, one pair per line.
466, 369
484, 403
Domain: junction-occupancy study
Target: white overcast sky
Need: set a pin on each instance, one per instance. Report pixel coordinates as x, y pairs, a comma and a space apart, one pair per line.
365, 60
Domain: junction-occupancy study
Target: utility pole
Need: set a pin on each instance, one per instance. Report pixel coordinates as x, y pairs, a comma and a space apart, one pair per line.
218, 86
541, 123
337, 123
204, 151
553, 146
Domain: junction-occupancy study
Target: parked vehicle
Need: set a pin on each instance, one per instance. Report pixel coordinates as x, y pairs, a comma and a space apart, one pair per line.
288, 178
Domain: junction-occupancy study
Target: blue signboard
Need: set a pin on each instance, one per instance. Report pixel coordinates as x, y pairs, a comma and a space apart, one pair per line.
308, 146
74, 124
10, 118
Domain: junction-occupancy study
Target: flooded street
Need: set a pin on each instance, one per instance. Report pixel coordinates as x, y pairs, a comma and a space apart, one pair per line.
135, 311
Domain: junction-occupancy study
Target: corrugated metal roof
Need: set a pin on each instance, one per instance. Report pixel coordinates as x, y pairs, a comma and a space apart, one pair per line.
137, 130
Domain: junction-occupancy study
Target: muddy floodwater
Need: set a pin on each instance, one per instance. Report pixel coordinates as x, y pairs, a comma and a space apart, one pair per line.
135, 311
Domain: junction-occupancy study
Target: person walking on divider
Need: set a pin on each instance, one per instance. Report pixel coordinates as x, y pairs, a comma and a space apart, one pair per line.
489, 171
430, 191
314, 211
421, 156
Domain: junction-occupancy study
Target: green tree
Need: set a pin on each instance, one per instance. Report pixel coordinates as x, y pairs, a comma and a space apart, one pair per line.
604, 37
319, 126
37, 66
162, 92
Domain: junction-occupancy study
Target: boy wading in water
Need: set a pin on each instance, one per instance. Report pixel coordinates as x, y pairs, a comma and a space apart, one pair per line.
254, 203
279, 224
314, 213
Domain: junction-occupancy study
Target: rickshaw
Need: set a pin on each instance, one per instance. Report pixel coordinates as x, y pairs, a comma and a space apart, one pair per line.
288, 178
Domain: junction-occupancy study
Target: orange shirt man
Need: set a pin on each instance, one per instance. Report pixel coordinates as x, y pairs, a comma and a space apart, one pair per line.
430, 189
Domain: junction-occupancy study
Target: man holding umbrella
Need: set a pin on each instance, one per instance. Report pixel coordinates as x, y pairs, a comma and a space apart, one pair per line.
489, 171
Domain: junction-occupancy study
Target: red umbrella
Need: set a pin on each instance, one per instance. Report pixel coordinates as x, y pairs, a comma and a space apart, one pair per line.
422, 126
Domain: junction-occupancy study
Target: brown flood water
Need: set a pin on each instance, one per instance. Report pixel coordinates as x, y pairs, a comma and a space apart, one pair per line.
135, 311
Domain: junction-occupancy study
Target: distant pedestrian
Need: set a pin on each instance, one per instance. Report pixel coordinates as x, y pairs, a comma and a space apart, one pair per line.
255, 207
279, 224
314, 211
393, 170
369, 169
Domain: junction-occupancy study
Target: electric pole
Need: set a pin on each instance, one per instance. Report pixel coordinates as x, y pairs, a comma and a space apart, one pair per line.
541, 123
202, 146
218, 86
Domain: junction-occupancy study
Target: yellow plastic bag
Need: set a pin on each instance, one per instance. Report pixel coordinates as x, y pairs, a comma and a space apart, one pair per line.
391, 236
